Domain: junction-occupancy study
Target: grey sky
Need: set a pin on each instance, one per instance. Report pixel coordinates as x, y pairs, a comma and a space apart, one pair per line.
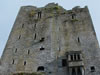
9, 10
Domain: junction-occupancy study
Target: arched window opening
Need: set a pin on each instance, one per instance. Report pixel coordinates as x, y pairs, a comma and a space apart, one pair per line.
40, 68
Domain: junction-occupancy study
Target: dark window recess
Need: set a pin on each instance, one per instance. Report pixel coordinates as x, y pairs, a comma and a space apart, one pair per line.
50, 72
16, 50
22, 25
78, 56
42, 48
78, 40
24, 63
34, 26
73, 71
13, 61
42, 39
79, 71
19, 37
92, 69
28, 51
40, 68
64, 63
34, 36
73, 16
75, 57
71, 57
39, 14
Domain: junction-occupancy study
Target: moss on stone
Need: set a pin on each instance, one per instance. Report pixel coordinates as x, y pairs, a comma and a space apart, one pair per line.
34, 73
74, 20
32, 13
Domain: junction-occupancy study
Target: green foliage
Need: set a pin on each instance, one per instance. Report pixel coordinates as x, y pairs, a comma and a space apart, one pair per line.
56, 7
31, 14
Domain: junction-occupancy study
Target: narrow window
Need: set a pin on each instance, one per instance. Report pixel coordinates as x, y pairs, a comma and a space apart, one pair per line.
78, 56
75, 58
73, 71
13, 61
42, 48
64, 63
34, 36
19, 37
71, 57
22, 25
42, 39
39, 14
40, 68
24, 63
28, 51
16, 50
73, 16
78, 40
35, 26
92, 69
79, 71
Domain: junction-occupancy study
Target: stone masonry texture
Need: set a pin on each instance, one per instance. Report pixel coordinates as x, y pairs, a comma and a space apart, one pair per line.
51, 41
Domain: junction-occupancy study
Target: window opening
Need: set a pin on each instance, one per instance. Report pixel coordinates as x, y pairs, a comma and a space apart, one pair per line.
16, 50
73, 71
64, 63
13, 61
28, 51
92, 69
79, 71
22, 25
78, 40
73, 16
39, 14
42, 48
75, 58
40, 68
42, 39
24, 63
78, 56
71, 57
19, 36
35, 37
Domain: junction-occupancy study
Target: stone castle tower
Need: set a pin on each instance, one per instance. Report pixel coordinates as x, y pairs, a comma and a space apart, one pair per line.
52, 41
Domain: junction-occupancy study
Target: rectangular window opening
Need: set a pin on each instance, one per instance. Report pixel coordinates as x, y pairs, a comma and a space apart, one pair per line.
64, 63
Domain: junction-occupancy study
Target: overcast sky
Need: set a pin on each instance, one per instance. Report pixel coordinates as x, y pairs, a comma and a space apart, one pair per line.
9, 10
